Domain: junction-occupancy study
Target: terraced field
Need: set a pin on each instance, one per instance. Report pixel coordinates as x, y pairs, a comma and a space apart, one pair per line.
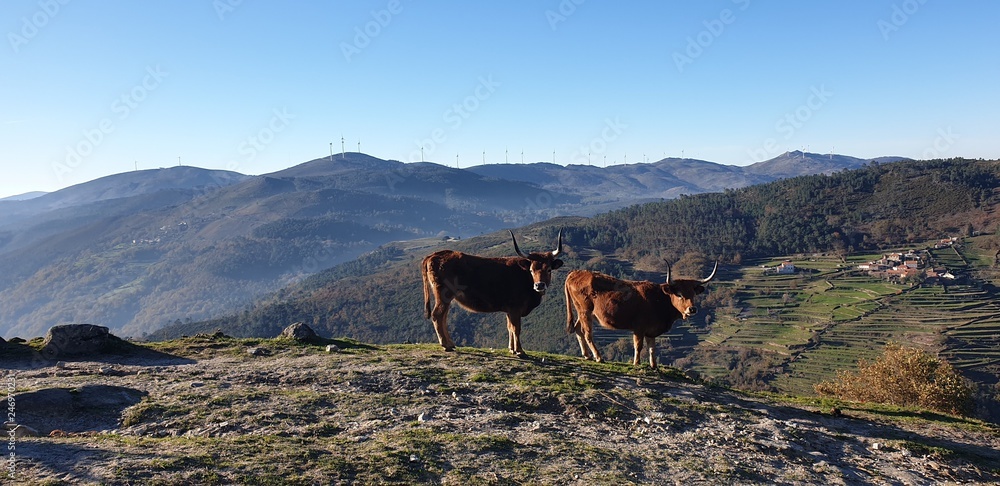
829, 315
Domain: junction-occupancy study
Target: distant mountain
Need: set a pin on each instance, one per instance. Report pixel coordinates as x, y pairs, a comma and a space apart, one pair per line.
136, 254
118, 186
24, 197
796, 163
139, 250
665, 179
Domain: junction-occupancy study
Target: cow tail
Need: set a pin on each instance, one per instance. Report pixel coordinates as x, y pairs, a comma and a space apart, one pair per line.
570, 325
425, 275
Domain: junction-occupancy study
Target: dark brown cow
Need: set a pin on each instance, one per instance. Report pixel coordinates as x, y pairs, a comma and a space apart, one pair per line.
513, 285
645, 308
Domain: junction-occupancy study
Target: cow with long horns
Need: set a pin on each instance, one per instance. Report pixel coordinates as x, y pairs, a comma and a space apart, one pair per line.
645, 308
513, 285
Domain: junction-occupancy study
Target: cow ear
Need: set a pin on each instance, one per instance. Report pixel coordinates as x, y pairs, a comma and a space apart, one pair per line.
556, 264
525, 264
699, 289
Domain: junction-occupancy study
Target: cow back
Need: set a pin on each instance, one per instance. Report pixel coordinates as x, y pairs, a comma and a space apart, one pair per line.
638, 306
482, 284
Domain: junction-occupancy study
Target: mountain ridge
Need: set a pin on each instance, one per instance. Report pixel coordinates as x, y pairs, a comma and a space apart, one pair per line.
189, 243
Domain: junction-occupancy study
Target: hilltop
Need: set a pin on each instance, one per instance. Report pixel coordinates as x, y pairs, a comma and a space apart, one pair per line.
218, 410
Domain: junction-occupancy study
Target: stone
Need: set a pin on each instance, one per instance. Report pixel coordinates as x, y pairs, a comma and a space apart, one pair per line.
76, 340
23, 431
299, 332
258, 351
330, 348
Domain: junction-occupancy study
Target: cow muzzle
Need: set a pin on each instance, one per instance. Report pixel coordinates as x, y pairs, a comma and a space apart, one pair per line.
690, 311
540, 287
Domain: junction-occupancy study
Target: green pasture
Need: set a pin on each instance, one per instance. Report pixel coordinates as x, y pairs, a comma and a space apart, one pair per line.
828, 315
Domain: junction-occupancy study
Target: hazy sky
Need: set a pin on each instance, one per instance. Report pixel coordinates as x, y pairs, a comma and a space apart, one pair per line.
89, 89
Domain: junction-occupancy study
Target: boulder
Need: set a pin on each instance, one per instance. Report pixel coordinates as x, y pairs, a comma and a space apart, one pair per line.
76, 340
300, 332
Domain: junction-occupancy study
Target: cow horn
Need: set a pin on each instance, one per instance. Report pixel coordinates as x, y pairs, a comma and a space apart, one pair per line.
516, 249
558, 246
668, 271
710, 277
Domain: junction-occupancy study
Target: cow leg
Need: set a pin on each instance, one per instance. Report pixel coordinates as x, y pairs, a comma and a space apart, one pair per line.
585, 336
651, 344
514, 334
637, 343
440, 318
581, 337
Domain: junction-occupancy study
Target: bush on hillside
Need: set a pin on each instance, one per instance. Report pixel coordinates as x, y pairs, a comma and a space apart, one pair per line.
905, 377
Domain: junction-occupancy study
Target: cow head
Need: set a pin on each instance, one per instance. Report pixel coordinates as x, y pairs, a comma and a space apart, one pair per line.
540, 265
682, 292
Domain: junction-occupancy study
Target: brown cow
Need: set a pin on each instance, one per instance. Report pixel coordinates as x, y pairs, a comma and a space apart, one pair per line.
645, 308
513, 285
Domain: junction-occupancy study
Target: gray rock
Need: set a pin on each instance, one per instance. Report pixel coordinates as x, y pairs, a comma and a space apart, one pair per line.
299, 332
258, 351
76, 340
21, 431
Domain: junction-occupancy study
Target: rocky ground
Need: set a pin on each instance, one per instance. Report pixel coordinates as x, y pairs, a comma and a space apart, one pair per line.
216, 410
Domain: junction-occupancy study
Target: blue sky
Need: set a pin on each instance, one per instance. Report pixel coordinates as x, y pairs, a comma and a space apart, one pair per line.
89, 89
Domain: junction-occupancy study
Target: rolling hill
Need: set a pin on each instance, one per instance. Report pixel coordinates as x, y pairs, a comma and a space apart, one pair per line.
140, 250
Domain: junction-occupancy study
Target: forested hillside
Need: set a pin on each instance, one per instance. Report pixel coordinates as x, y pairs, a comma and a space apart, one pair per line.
875, 206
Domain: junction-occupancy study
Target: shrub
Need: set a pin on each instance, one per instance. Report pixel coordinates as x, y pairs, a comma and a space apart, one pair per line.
905, 377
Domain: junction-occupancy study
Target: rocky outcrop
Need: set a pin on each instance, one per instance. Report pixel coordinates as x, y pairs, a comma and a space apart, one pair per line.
300, 332
71, 340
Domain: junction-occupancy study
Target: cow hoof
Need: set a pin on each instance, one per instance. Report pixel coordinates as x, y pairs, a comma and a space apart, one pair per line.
450, 349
